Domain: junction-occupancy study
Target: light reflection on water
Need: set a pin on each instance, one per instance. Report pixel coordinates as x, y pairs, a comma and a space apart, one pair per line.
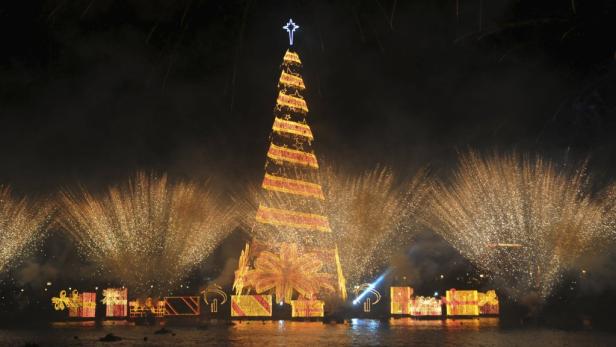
365, 324
448, 324
364, 332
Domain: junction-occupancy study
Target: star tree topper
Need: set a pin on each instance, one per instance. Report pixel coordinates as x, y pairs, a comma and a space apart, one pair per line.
290, 27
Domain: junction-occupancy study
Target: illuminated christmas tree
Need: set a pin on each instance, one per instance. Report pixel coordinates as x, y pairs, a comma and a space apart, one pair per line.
292, 255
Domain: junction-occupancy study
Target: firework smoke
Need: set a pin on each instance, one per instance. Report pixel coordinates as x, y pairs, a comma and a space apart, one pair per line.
22, 224
148, 232
523, 220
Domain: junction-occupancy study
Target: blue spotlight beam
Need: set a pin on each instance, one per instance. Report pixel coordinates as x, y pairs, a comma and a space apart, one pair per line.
371, 287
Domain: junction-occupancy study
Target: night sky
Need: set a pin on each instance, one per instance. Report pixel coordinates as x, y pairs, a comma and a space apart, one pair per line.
91, 91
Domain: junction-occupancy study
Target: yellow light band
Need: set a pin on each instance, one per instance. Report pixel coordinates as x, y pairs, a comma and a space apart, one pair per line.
292, 102
291, 186
275, 216
292, 156
295, 128
292, 80
291, 57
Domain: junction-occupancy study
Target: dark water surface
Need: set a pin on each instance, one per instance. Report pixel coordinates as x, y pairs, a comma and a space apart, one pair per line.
359, 332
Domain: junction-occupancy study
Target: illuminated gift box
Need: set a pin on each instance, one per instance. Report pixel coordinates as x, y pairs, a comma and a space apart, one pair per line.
307, 308
116, 302
251, 306
139, 309
400, 299
182, 305
462, 302
488, 303
426, 306
84, 306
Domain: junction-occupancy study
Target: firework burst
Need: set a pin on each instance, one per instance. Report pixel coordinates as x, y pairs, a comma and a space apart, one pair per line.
523, 220
372, 215
148, 233
22, 224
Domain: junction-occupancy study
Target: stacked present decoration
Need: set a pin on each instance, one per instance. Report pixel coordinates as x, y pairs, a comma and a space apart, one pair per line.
400, 298
182, 306
138, 309
116, 302
251, 306
462, 302
84, 305
307, 308
425, 306
488, 303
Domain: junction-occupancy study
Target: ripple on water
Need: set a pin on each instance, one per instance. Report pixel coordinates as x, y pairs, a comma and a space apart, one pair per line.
365, 332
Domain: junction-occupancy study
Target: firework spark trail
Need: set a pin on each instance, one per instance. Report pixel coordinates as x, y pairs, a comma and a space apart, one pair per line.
607, 199
22, 224
506, 199
370, 214
148, 232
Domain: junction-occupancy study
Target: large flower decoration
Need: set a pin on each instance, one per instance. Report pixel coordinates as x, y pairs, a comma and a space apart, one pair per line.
289, 271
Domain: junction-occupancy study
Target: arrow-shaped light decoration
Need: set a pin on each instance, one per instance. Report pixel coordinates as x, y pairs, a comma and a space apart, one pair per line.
290, 27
